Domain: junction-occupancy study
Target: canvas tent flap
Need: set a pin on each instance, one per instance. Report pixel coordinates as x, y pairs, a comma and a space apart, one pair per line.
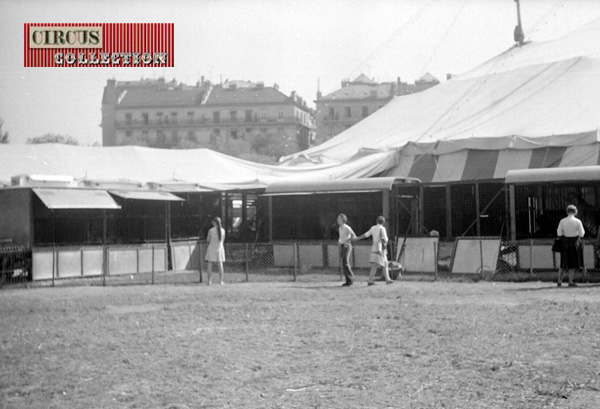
582, 174
146, 195
331, 186
76, 199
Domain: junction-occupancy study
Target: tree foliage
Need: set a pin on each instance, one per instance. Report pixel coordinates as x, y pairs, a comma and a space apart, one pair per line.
53, 138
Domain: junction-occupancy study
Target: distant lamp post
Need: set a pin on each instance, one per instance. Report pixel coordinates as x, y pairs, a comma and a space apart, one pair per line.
519, 36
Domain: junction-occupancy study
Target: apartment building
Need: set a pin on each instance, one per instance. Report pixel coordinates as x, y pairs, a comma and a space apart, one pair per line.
164, 114
355, 100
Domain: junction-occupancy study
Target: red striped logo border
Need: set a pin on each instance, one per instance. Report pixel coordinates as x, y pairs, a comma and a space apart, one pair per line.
124, 45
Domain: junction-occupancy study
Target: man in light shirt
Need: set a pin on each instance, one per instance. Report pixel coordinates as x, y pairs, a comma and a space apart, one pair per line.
571, 230
345, 244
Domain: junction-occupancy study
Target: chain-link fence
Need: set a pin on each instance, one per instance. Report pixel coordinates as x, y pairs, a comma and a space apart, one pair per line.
421, 258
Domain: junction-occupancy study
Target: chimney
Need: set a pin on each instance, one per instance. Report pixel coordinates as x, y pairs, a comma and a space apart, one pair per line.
202, 80
448, 76
399, 82
276, 86
293, 96
319, 95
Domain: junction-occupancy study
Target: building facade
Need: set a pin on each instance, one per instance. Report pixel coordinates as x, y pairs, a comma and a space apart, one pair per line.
163, 114
357, 99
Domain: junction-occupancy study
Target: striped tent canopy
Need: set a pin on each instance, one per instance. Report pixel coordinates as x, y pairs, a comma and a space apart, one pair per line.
532, 106
476, 164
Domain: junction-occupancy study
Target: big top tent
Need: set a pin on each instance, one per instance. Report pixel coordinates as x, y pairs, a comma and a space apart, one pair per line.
169, 169
533, 106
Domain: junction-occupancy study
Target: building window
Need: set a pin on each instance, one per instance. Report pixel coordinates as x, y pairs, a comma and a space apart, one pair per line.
128, 120
233, 116
145, 118
233, 134
348, 112
216, 117
263, 114
145, 135
216, 133
365, 111
160, 138
174, 117
248, 115
280, 115
128, 134
331, 113
159, 118
191, 136
190, 116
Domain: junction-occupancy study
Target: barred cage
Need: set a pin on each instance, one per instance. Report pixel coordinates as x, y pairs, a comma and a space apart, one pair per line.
15, 264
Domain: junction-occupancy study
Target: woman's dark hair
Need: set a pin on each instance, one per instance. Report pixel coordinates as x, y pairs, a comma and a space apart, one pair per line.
571, 209
380, 220
344, 217
217, 222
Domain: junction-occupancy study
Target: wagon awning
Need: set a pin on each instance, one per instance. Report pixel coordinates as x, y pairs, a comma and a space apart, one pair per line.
146, 195
76, 199
553, 175
333, 186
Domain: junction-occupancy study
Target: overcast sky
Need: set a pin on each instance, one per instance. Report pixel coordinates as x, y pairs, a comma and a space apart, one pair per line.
297, 44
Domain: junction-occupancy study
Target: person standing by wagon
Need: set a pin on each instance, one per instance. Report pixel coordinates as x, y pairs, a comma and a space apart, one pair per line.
216, 251
345, 244
378, 257
571, 230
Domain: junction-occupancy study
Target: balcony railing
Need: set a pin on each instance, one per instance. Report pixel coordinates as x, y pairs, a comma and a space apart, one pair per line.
137, 123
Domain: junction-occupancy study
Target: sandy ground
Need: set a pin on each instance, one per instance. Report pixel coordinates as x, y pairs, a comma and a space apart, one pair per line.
301, 345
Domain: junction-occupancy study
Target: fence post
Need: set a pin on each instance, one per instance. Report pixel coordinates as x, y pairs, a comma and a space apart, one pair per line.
583, 268
435, 261
246, 260
104, 264
53, 263
531, 257
199, 260
295, 261
340, 258
481, 257
152, 263
189, 253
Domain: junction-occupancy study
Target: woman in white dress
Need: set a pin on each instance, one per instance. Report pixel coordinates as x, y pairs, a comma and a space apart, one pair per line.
378, 258
216, 251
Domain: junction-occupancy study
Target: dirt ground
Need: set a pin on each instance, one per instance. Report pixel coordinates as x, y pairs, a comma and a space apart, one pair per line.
301, 345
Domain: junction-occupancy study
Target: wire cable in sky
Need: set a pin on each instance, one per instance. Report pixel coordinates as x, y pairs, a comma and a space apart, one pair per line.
443, 38
543, 20
362, 67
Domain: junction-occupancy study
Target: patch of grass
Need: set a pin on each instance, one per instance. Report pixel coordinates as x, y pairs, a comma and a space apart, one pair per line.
414, 344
